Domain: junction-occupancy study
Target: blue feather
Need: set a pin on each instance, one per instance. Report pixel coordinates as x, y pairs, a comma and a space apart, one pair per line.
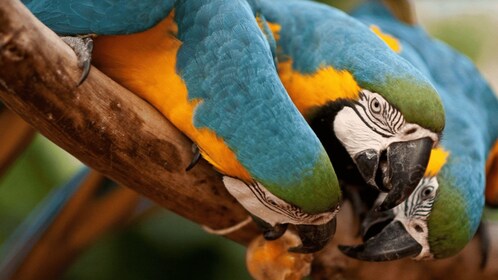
253, 115
72, 17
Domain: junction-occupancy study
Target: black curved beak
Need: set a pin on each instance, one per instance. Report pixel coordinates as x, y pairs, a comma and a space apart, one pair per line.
314, 237
374, 222
397, 170
406, 162
392, 243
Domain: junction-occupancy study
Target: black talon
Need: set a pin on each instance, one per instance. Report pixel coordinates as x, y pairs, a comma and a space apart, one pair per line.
83, 47
195, 159
275, 232
484, 244
314, 237
270, 232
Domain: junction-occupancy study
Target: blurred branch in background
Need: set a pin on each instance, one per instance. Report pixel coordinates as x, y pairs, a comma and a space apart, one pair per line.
66, 223
16, 134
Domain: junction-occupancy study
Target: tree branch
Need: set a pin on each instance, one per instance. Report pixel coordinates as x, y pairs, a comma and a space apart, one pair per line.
106, 126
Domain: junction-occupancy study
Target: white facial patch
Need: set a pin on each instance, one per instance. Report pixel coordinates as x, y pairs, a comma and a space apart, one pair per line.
415, 211
256, 199
373, 123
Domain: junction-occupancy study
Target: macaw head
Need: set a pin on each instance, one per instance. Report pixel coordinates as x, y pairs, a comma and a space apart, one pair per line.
436, 221
386, 130
376, 114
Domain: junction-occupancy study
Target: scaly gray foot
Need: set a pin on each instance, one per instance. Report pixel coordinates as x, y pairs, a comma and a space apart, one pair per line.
83, 47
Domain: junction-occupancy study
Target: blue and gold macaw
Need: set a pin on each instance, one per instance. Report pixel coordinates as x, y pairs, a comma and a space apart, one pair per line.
209, 69
377, 115
443, 213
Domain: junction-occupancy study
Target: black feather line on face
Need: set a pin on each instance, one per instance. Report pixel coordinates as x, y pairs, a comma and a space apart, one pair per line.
322, 124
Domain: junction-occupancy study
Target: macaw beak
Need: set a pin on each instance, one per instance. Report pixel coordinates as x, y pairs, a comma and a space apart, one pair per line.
392, 243
314, 237
397, 170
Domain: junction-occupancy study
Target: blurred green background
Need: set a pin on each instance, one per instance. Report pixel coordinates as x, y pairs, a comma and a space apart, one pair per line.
166, 246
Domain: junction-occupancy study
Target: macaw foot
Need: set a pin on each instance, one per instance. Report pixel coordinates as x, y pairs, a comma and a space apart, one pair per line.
83, 47
196, 158
314, 237
484, 243
272, 259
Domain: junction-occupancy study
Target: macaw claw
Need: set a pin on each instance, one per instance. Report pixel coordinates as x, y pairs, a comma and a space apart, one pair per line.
275, 232
314, 237
196, 158
83, 47
270, 232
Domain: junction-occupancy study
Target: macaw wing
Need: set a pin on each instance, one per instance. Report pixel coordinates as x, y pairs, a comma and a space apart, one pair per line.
318, 37
226, 64
72, 17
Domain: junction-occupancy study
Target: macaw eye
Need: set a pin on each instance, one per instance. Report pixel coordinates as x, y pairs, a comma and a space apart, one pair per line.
418, 228
427, 191
375, 106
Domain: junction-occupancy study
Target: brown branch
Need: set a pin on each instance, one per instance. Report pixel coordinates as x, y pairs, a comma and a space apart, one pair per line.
16, 135
403, 10
84, 217
106, 126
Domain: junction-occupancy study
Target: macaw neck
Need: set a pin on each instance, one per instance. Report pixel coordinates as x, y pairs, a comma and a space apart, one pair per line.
322, 123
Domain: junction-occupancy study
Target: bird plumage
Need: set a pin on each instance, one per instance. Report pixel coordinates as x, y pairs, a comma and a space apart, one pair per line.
254, 131
315, 38
335, 69
471, 129
99, 16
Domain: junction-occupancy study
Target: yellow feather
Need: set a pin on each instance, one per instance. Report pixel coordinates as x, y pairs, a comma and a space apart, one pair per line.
308, 91
390, 40
436, 161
